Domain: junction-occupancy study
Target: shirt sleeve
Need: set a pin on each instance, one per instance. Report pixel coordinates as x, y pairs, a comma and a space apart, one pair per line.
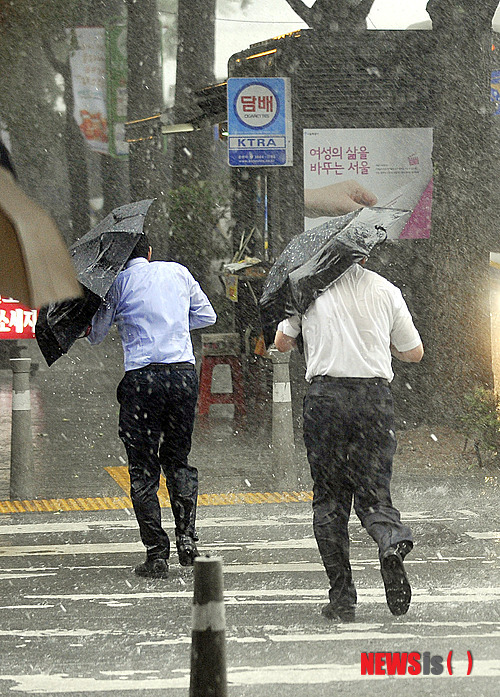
292, 326
103, 319
404, 335
201, 312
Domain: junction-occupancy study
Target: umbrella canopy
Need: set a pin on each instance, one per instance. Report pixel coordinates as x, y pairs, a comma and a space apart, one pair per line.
316, 258
98, 258
100, 255
35, 267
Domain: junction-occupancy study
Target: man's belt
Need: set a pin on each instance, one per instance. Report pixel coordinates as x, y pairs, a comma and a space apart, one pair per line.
350, 381
185, 365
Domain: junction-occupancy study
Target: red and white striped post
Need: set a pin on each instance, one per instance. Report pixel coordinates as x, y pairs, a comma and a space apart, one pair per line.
208, 639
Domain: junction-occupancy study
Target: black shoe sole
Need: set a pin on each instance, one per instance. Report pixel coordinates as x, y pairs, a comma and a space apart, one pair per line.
397, 586
151, 572
186, 558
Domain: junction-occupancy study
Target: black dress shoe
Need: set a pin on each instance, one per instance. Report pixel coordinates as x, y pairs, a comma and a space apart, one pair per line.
397, 586
345, 613
153, 568
186, 550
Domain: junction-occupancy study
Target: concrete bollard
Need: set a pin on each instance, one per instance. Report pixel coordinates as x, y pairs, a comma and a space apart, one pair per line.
21, 444
208, 641
282, 430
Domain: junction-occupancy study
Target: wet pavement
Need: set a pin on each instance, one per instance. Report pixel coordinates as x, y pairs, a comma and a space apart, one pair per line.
75, 422
76, 620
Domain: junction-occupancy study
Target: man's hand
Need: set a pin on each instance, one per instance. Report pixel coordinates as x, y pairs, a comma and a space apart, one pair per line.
337, 199
85, 333
283, 342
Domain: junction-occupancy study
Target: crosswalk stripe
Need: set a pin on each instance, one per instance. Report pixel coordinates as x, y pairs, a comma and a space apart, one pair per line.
95, 548
243, 676
358, 632
285, 520
288, 595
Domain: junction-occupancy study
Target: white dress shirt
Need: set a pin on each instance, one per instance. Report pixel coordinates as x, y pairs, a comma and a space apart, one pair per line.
349, 328
155, 305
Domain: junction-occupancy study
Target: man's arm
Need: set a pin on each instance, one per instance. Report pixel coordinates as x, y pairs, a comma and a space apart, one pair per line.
287, 333
201, 312
103, 319
414, 355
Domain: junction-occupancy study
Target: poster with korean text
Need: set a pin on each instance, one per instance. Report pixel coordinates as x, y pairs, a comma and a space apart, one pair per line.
345, 169
88, 73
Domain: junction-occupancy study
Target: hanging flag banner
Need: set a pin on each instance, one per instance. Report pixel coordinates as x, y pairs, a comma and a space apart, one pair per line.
116, 56
345, 169
16, 320
259, 120
88, 73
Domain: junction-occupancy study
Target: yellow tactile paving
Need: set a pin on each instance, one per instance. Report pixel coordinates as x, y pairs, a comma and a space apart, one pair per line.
120, 475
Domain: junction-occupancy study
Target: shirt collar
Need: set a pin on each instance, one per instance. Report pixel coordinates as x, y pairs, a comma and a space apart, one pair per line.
134, 262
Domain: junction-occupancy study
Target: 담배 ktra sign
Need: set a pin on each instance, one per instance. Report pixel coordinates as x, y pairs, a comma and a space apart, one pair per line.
16, 321
385, 167
259, 122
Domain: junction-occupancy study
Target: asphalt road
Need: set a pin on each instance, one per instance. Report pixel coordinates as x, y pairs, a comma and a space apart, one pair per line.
76, 620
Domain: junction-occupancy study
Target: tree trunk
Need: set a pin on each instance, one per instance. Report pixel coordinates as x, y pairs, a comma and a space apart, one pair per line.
114, 171
195, 69
145, 99
75, 152
456, 288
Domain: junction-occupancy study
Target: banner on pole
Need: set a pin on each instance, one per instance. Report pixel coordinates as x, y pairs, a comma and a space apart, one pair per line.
116, 56
98, 63
88, 74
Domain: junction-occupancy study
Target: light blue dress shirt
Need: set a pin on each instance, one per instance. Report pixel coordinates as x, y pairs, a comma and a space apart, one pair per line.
155, 305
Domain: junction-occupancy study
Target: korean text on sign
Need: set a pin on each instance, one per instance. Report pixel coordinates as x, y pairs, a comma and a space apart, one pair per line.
16, 321
339, 160
253, 103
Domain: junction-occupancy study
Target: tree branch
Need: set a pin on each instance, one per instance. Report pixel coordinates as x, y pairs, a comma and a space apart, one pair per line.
304, 12
56, 64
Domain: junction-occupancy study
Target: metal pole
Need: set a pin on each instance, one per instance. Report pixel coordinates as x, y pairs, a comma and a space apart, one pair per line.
21, 472
282, 429
208, 640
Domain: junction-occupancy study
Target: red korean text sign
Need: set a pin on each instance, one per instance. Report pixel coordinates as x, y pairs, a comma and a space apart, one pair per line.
16, 320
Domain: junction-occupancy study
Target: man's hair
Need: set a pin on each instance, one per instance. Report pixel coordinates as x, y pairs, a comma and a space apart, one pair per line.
141, 249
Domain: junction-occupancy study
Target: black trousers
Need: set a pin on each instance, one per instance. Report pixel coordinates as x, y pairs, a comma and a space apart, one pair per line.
157, 412
350, 440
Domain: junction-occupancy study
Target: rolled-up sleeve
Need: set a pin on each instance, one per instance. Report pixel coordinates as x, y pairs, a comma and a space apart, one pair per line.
404, 335
292, 326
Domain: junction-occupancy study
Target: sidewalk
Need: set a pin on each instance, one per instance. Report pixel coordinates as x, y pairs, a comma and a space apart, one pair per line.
75, 422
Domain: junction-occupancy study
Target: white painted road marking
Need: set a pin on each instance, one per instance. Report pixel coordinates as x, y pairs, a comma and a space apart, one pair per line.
289, 595
244, 676
208, 522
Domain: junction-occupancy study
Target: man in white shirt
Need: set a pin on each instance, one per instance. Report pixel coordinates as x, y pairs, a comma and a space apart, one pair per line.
349, 333
155, 306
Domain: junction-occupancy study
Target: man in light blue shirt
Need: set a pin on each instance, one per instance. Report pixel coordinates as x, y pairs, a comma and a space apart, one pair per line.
155, 305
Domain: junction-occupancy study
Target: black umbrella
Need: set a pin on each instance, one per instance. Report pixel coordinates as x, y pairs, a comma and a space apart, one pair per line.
98, 258
316, 258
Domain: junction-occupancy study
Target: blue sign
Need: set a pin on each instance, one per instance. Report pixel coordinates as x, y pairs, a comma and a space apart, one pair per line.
259, 122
